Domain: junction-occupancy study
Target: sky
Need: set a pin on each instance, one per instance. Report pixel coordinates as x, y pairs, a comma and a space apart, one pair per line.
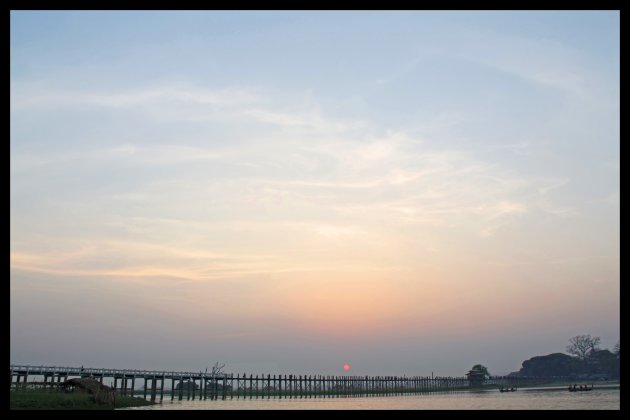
284, 192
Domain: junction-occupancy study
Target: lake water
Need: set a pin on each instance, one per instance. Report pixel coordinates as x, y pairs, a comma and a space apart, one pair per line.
523, 399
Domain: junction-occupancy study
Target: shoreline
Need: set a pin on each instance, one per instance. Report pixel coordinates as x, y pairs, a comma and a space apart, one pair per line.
46, 399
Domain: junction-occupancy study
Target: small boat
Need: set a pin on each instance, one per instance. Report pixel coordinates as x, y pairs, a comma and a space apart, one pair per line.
507, 389
580, 388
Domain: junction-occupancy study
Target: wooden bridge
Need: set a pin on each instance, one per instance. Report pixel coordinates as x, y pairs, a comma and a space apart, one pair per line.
200, 385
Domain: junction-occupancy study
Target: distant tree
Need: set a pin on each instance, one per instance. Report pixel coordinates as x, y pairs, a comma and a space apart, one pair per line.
603, 362
554, 364
481, 369
617, 349
216, 369
582, 346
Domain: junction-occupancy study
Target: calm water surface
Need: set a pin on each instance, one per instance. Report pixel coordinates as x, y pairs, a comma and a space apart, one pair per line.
598, 399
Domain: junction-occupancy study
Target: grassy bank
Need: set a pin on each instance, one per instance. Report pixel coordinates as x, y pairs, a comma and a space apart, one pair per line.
43, 399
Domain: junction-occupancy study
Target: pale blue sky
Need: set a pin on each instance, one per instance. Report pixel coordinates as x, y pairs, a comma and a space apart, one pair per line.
448, 181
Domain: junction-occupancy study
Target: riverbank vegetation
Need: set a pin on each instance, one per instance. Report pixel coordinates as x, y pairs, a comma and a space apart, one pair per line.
27, 398
585, 362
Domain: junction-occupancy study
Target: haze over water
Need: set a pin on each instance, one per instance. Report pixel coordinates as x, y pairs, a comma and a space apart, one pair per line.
288, 192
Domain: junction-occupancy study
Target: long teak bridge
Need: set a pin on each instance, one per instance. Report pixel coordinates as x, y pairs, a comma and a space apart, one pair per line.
203, 385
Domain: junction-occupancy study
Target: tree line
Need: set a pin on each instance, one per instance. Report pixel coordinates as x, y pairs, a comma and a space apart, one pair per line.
584, 360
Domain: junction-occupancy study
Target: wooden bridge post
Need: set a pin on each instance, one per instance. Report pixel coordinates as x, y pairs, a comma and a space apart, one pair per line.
162, 387
275, 386
349, 386
153, 388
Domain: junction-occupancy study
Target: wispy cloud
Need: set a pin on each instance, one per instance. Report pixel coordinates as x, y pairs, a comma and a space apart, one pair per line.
32, 97
141, 155
539, 61
350, 187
